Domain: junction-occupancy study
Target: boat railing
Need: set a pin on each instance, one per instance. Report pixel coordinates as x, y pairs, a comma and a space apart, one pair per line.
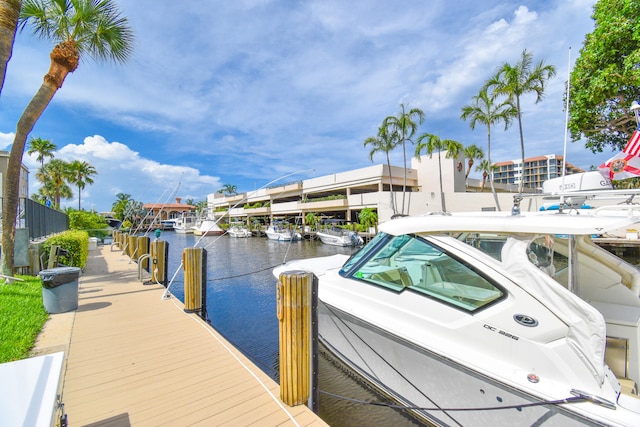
628, 207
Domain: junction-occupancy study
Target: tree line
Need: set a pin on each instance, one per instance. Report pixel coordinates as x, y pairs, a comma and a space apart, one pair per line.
56, 175
498, 100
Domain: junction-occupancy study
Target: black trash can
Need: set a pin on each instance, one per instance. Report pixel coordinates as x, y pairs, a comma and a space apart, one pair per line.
60, 289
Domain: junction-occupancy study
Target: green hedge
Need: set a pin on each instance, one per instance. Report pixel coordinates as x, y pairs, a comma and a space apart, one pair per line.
74, 241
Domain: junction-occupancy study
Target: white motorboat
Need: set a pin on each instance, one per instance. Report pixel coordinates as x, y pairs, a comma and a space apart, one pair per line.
167, 224
490, 318
207, 227
238, 230
330, 233
278, 232
185, 223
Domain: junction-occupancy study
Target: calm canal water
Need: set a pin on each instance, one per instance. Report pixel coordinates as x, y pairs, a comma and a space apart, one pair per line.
241, 304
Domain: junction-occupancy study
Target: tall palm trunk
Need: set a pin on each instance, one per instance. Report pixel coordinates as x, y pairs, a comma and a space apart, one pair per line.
521, 187
393, 199
404, 183
64, 59
444, 208
493, 189
9, 14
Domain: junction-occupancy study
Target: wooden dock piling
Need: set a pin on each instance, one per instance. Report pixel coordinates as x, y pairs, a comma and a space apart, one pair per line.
143, 249
159, 253
297, 296
132, 247
124, 239
194, 261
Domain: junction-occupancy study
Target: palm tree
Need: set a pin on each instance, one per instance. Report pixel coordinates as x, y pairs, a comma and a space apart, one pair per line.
403, 127
471, 152
487, 170
118, 207
513, 81
384, 143
39, 197
79, 27
228, 190
80, 174
312, 219
44, 148
9, 14
368, 218
433, 143
135, 212
54, 178
485, 109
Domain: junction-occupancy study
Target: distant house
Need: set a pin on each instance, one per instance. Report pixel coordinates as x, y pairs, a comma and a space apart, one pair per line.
159, 212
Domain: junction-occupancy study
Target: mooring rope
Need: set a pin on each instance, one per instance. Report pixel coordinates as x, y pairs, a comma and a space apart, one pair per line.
572, 399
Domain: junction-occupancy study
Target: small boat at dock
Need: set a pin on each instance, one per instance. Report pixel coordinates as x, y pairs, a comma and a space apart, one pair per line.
207, 227
281, 233
238, 230
333, 233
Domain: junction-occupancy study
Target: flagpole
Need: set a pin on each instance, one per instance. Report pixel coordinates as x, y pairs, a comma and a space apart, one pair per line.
566, 128
566, 120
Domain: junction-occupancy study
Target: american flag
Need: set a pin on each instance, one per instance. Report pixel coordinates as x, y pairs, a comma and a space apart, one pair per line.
633, 146
625, 164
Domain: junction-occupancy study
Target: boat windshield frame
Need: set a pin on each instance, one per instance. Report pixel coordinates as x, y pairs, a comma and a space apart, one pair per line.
414, 263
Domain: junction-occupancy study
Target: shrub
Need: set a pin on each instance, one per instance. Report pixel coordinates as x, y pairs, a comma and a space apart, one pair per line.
93, 223
74, 241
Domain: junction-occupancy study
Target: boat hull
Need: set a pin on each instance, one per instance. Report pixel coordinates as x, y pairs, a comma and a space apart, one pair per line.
339, 240
282, 236
208, 228
180, 230
419, 378
207, 233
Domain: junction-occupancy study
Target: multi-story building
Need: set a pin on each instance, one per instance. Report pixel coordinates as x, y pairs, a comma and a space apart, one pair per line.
536, 170
23, 190
434, 183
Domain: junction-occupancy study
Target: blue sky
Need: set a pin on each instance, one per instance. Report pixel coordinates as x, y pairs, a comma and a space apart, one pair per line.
248, 91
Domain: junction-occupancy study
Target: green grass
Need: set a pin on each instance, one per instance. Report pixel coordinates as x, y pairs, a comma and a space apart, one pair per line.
22, 316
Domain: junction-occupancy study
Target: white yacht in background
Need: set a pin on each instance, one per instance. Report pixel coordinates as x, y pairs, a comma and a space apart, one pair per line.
185, 223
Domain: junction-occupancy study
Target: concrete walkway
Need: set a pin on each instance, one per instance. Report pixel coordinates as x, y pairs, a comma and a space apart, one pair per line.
133, 358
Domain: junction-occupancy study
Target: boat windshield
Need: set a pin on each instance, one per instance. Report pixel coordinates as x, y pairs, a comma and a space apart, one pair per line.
410, 262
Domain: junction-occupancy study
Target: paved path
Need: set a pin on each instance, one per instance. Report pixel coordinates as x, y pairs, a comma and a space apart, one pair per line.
136, 359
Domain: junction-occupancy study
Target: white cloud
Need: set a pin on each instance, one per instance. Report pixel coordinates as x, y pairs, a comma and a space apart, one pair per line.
243, 92
6, 139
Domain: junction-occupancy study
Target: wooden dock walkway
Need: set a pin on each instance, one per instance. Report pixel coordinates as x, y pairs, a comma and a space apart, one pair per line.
133, 358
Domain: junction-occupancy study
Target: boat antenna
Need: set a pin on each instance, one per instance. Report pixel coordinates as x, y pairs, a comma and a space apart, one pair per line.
566, 130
